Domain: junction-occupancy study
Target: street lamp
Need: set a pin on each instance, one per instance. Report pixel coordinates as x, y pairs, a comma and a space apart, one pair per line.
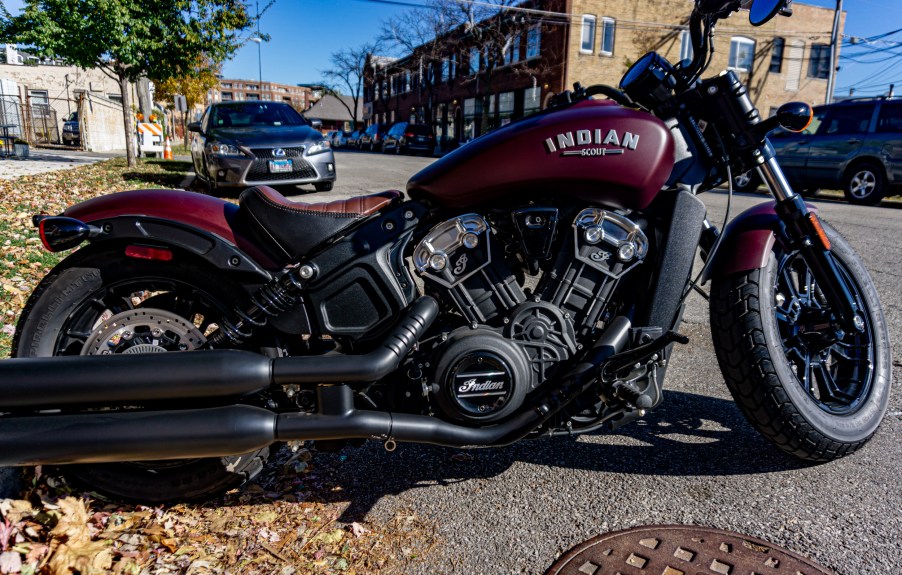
259, 42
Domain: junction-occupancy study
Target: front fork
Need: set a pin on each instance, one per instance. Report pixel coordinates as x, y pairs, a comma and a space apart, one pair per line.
805, 233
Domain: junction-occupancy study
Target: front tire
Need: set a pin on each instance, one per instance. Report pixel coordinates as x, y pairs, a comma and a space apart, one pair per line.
815, 401
73, 303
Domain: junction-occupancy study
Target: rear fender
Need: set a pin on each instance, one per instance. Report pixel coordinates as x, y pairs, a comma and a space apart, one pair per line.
748, 241
204, 226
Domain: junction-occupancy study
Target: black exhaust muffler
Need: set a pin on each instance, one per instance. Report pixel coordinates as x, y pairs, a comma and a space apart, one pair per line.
232, 430
53, 382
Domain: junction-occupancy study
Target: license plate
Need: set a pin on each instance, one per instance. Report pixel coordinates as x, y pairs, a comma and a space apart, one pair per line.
279, 166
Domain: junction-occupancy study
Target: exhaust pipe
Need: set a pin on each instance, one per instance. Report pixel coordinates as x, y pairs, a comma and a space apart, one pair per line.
237, 429
53, 382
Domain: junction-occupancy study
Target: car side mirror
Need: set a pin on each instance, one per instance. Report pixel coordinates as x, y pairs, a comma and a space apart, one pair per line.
317, 124
194, 127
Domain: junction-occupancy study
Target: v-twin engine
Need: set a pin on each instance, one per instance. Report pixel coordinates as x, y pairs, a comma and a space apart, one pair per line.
516, 336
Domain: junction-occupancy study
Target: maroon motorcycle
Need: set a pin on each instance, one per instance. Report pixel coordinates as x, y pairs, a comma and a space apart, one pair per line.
531, 284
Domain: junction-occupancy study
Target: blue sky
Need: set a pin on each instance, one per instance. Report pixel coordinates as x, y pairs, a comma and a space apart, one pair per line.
306, 32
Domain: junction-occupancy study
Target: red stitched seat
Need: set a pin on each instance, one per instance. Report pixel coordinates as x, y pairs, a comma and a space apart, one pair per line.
288, 230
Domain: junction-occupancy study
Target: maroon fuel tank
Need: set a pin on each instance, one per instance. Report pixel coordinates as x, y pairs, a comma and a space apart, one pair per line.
595, 151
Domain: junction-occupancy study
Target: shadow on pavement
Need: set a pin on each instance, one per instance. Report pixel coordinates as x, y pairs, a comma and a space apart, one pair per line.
689, 435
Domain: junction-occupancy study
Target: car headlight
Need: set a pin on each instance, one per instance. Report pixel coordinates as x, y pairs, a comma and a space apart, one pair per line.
223, 149
318, 148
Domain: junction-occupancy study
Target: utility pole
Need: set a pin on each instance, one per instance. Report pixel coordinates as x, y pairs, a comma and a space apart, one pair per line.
834, 52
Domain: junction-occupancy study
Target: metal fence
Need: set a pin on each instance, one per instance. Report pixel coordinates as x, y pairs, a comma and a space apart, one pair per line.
45, 128
11, 115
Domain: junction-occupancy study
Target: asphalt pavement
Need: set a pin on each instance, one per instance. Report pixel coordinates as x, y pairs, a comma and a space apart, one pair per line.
693, 460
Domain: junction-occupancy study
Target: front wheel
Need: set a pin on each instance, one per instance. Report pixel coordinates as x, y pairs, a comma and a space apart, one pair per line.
98, 301
815, 398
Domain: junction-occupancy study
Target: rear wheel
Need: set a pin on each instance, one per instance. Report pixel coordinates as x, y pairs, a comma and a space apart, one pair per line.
816, 398
865, 184
99, 302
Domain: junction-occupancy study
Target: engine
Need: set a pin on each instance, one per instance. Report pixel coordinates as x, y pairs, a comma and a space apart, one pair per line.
516, 337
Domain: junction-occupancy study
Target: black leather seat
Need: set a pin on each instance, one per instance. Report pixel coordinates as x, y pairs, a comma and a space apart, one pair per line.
288, 230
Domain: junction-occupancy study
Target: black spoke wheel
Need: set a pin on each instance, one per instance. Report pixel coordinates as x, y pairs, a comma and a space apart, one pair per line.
68, 314
816, 393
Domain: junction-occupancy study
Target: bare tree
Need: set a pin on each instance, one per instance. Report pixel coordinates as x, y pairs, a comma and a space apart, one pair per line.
493, 31
347, 73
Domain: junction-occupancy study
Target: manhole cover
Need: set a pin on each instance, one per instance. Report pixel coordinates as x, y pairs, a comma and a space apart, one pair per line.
681, 550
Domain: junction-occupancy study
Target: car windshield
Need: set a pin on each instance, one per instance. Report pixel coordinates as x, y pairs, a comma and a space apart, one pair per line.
419, 130
255, 114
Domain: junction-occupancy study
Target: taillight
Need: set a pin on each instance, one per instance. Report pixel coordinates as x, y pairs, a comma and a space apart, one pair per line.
148, 253
409, 135
59, 234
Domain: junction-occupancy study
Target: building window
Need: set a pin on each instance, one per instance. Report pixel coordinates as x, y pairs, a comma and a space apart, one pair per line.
512, 52
819, 64
607, 36
742, 53
452, 67
533, 42
39, 97
776, 57
445, 69
474, 60
531, 100
407, 81
115, 97
686, 52
587, 46
252, 96
226, 84
252, 87
227, 96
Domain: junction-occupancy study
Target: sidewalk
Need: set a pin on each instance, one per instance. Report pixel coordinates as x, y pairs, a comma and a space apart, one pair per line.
41, 160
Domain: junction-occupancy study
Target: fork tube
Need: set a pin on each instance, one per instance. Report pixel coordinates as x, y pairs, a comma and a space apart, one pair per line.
802, 227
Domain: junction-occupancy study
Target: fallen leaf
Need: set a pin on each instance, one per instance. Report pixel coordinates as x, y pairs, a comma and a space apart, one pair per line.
10, 562
357, 529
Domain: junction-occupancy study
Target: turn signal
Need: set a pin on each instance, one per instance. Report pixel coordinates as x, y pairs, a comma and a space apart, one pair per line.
795, 116
59, 234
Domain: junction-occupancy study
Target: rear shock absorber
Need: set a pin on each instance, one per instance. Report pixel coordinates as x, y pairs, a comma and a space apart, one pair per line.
278, 296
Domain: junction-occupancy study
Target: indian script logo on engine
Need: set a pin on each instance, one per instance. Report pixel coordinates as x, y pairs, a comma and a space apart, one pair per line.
592, 143
472, 385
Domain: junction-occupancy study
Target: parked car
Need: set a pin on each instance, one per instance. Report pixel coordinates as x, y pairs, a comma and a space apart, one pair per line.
242, 144
71, 130
330, 136
408, 138
853, 145
372, 137
340, 139
353, 138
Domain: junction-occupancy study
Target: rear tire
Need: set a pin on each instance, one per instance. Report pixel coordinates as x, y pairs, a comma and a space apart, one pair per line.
88, 287
818, 405
865, 184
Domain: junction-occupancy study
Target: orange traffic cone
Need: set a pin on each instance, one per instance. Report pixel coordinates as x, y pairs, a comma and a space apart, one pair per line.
167, 150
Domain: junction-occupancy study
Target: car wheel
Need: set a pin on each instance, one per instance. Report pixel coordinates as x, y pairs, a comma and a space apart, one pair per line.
398, 149
865, 184
372, 146
323, 186
747, 182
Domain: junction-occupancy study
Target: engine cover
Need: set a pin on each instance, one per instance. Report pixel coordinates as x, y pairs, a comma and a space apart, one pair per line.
480, 376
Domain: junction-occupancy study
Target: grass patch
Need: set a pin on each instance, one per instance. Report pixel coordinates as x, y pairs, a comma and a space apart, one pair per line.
23, 260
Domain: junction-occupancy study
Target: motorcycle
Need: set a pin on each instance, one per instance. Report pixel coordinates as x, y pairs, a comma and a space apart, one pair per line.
531, 285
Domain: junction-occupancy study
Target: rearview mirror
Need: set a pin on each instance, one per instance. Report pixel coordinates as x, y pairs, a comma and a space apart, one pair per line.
194, 127
762, 11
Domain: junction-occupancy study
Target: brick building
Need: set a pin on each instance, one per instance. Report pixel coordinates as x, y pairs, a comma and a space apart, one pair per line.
472, 86
229, 90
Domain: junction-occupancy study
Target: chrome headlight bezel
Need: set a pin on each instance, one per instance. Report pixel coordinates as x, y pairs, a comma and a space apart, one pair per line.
221, 149
318, 148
